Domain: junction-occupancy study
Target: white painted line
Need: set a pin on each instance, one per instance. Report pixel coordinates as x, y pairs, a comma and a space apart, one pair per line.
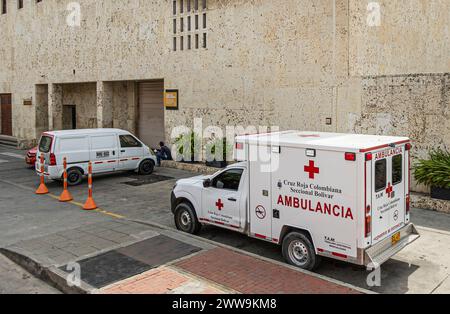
13, 155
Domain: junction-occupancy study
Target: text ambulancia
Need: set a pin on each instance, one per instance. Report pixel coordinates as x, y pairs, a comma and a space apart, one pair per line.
342, 196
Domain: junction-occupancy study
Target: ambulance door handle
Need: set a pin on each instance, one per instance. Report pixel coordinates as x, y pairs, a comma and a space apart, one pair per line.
232, 199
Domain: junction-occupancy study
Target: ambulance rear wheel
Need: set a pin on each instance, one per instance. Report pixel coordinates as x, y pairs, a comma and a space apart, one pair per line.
186, 220
299, 251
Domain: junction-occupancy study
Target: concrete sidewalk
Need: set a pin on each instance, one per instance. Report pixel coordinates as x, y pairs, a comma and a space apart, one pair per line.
128, 257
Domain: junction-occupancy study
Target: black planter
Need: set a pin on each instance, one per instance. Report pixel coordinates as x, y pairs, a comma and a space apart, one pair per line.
216, 164
440, 193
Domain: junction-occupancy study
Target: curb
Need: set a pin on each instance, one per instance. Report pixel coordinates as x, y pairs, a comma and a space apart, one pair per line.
49, 274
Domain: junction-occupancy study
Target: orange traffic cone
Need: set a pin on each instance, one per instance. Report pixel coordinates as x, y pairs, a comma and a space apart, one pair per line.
90, 203
65, 195
42, 187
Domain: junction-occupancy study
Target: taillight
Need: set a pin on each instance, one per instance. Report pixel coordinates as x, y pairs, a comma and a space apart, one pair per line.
368, 222
52, 159
350, 156
368, 226
408, 204
239, 146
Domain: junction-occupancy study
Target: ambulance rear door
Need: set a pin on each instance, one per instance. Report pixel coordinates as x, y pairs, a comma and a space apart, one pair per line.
389, 189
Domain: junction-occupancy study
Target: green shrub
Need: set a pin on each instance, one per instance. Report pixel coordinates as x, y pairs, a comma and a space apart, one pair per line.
188, 146
219, 150
434, 171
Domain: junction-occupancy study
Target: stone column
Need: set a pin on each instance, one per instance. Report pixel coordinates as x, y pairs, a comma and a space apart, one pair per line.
104, 105
55, 107
132, 107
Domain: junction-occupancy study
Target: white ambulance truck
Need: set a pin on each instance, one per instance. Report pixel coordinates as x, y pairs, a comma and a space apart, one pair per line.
316, 194
109, 150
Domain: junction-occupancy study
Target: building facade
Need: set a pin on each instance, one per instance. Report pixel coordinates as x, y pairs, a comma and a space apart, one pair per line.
378, 67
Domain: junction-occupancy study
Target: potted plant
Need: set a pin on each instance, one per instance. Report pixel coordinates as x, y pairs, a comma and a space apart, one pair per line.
218, 153
188, 147
435, 173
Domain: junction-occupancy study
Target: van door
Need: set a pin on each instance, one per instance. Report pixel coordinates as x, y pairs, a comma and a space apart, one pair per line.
104, 153
223, 201
389, 197
131, 152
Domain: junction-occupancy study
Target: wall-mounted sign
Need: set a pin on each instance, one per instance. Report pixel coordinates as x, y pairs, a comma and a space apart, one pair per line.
28, 102
171, 100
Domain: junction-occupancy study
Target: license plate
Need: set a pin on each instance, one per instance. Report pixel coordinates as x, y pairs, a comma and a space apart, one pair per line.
395, 238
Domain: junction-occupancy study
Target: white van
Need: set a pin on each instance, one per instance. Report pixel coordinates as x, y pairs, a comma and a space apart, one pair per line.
109, 150
342, 196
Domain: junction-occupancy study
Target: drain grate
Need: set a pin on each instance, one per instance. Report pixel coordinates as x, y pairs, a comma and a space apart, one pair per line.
159, 250
105, 269
146, 180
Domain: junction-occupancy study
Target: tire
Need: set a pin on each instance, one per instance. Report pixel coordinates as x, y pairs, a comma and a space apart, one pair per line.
146, 167
74, 176
299, 251
186, 219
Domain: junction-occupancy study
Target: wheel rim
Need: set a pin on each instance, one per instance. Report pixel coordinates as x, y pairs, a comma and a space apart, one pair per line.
73, 177
185, 221
146, 167
298, 253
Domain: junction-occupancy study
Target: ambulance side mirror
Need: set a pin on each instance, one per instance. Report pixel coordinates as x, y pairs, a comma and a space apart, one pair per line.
207, 183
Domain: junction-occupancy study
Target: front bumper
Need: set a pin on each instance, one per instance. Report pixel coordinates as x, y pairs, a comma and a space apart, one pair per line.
384, 250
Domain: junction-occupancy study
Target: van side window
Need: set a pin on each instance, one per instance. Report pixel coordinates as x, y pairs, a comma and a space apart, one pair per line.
380, 175
228, 180
397, 169
128, 141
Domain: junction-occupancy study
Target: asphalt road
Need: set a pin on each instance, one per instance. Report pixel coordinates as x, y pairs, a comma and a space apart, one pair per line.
423, 267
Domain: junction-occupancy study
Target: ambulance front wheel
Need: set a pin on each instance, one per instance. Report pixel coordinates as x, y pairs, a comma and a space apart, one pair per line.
186, 220
299, 251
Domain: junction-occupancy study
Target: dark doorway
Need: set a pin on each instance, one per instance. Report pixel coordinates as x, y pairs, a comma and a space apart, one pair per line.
70, 117
151, 113
6, 114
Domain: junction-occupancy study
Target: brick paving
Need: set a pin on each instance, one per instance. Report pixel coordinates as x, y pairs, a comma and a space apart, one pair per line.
162, 280
250, 275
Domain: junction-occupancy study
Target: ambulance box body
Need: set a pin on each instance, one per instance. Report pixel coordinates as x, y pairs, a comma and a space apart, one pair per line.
342, 196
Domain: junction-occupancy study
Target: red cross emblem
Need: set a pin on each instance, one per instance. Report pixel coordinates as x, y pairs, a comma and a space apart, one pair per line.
219, 204
312, 169
390, 190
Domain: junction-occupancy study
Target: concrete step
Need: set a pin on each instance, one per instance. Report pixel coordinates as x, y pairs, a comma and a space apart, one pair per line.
8, 141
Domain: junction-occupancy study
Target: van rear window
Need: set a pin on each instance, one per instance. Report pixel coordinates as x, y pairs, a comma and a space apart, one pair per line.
397, 169
45, 144
380, 175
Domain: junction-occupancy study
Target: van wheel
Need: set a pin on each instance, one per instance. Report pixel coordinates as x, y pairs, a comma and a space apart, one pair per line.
186, 219
74, 176
299, 251
146, 168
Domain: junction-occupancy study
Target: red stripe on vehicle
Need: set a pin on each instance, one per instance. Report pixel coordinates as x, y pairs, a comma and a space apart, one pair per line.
320, 250
261, 236
382, 146
137, 158
339, 255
